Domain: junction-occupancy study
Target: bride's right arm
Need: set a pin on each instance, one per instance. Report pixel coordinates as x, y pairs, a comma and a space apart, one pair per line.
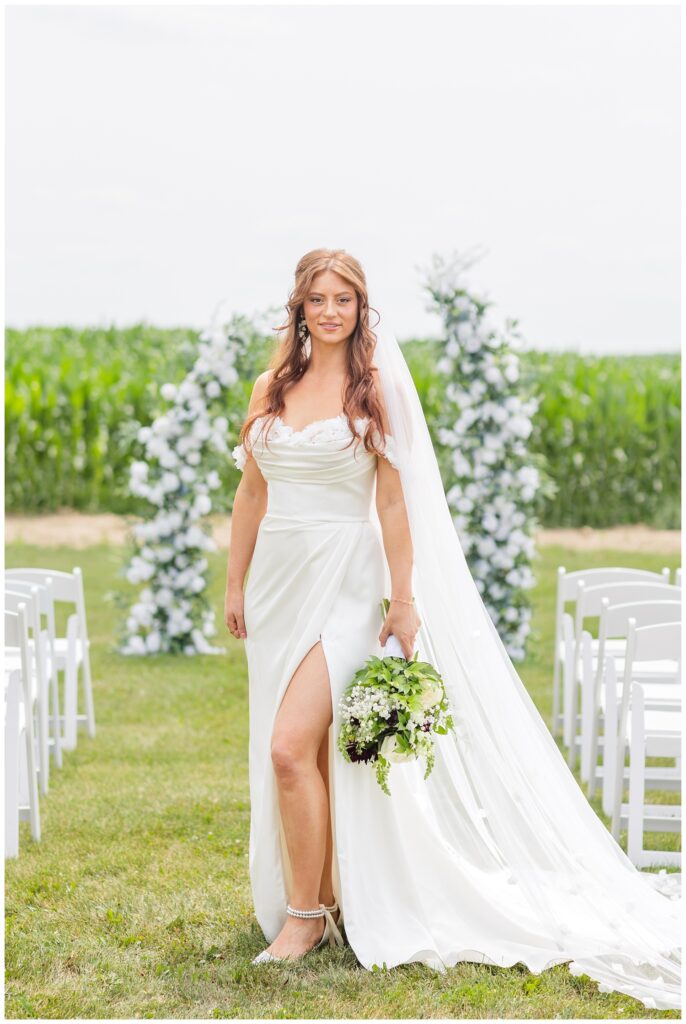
249, 507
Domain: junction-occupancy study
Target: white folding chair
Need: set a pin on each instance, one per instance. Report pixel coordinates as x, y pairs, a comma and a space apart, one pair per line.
644, 643
663, 697
589, 604
656, 734
38, 682
677, 577
614, 625
46, 606
13, 732
72, 650
17, 657
567, 592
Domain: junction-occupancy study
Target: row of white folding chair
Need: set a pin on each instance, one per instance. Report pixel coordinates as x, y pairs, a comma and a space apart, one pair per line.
588, 604
567, 591
47, 654
649, 603
651, 734
15, 726
37, 685
44, 661
69, 653
661, 696
21, 774
651, 728
659, 675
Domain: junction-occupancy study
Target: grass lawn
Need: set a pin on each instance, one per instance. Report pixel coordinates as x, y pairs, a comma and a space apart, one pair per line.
137, 904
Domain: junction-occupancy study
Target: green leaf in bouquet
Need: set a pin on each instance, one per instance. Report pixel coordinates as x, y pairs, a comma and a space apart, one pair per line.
403, 743
382, 768
430, 761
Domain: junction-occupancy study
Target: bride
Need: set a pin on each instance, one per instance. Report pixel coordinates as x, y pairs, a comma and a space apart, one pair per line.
497, 857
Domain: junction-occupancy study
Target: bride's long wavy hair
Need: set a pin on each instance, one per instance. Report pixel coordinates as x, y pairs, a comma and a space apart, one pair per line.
289, 360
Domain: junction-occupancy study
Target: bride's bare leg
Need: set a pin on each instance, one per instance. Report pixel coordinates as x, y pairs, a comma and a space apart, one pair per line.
301, 725
326, 884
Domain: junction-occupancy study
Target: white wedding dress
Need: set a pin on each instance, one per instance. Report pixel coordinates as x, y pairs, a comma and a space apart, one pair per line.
430, 874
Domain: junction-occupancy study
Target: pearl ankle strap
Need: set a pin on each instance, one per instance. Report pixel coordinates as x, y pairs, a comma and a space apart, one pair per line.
319, 912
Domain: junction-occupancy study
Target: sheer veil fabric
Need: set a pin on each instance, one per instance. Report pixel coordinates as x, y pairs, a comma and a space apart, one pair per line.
501, 792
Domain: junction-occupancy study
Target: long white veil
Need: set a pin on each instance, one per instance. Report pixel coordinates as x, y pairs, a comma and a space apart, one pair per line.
530, 824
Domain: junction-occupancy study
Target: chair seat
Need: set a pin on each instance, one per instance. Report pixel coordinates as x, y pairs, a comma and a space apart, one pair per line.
9, 669
656, 818
659, 724
13, 661
643, 670
656, 693
656, 777
615, 645
62, 647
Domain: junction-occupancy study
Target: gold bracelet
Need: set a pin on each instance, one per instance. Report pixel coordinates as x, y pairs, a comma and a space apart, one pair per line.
402, 601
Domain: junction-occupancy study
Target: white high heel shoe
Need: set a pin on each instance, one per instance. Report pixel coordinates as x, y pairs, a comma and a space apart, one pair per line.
331, 934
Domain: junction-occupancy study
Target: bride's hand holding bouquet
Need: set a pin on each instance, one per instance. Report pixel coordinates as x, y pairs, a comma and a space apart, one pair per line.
401, 620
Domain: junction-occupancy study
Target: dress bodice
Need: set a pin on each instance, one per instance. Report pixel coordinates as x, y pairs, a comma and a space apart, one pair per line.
319, 472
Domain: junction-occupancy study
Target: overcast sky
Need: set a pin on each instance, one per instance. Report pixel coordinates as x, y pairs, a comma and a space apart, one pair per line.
163, 160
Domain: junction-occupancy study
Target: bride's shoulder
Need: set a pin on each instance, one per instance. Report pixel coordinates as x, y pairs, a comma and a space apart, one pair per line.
259, 391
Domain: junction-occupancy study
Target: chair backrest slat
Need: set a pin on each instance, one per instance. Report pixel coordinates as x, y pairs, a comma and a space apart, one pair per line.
646, 613
589, 600
567, 581
65, 585
18, 586
658, 642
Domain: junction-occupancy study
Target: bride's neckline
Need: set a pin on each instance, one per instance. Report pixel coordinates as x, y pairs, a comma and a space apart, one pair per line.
314, 423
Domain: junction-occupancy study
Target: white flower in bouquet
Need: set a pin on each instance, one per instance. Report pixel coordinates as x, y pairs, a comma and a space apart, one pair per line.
389, 750
431, 695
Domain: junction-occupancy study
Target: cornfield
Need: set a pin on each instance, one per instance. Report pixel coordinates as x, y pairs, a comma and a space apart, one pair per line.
609, 426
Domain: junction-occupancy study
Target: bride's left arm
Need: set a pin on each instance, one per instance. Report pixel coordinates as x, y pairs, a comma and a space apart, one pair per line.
402, 619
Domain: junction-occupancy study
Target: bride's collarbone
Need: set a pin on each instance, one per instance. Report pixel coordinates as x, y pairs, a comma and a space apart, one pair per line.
312, 407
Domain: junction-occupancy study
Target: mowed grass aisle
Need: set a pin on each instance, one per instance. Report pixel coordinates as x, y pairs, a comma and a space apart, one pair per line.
136, 903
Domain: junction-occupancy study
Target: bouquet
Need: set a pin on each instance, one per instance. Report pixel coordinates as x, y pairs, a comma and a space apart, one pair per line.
390, 710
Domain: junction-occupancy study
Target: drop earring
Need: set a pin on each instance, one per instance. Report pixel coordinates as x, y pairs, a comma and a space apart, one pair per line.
304, 336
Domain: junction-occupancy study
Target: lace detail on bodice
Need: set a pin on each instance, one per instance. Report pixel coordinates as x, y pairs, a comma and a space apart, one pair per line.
333, 428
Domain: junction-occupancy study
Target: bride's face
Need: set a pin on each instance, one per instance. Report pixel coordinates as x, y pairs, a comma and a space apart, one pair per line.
330, 301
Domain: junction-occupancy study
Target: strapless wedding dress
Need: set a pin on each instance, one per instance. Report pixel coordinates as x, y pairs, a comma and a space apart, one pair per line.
417, 879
